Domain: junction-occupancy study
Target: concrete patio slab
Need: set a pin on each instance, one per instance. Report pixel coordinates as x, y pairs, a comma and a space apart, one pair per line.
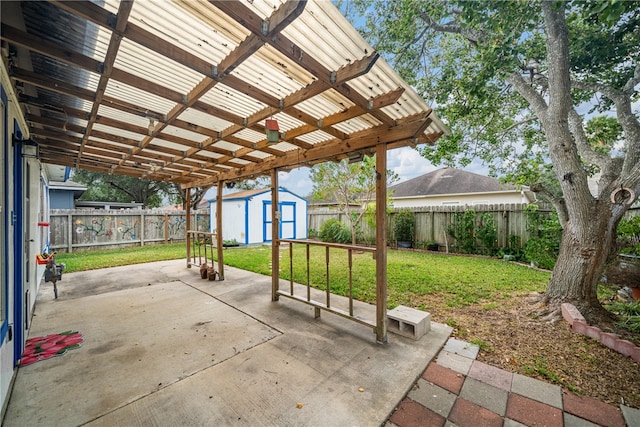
164, 347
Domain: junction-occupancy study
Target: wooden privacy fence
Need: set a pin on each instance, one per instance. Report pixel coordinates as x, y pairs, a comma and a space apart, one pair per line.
84, 229
431, 222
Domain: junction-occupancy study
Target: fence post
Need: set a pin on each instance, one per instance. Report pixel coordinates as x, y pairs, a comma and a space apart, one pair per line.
166, 228
142, 228
70, 233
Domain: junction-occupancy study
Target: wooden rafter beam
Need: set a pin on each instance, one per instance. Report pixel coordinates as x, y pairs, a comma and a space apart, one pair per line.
363, 140
124, 9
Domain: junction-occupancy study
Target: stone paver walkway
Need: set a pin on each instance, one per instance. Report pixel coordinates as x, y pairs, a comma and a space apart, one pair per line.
457, 390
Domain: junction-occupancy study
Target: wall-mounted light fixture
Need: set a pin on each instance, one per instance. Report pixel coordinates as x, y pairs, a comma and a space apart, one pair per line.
273, 131
28, 148
355, 156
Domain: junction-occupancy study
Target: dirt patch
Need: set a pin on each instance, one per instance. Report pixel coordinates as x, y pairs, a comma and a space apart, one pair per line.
513, 337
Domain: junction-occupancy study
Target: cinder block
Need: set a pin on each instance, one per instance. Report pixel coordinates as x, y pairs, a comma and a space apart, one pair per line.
408, 322
571, 313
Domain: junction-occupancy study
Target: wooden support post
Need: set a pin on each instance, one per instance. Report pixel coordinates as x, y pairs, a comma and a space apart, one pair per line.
219, 240
275, 242
381, 243
188, 225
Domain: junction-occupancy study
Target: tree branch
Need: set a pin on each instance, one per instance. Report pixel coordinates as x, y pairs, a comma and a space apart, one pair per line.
537, 102
471, 35
557, 202
124, 190
628, 121
629, 87
584, 148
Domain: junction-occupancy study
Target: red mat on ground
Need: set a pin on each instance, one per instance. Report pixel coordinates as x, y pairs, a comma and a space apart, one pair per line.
41, 348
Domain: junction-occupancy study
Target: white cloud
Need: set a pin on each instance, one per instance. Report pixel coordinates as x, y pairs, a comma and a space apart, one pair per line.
297, 181
408, 163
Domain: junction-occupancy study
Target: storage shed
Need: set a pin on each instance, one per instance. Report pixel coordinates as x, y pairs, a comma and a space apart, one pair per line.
246, 216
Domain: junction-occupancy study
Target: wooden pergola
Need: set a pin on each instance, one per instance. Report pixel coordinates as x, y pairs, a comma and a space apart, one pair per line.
180, 91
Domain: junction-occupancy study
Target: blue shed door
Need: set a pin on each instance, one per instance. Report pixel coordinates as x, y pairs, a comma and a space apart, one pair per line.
287, 229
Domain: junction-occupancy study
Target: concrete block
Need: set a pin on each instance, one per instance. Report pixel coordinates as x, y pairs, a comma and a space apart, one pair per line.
408, 322
571, 313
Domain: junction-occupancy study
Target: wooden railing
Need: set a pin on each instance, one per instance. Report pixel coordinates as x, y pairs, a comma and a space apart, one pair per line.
202, 248
326, 304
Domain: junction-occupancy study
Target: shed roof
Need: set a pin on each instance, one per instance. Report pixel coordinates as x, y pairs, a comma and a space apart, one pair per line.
449, 181
247, 194
180, 90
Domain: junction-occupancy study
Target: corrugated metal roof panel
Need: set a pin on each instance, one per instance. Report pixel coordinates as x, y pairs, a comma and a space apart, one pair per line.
135, 59
250, 135
183, 133
336, 47
325, 104
169, 144
229, 99
135, 96
196, 117
122, 116
168, 20
271, 72
226, 145
118, 132
357, 124
316, 137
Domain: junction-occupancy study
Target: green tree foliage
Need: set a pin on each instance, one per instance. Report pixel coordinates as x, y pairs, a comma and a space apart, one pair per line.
179, 195
513, 80
103, 187
544, 238
350, 185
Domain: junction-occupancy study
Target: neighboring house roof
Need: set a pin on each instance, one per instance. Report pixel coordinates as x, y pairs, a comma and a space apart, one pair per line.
74, 187
108, 205
450, 181
66, 185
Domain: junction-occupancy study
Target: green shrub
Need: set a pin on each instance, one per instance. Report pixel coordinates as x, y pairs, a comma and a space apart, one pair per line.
334, 231
404, 225
488, 233
463, 231
628, 234
545, 233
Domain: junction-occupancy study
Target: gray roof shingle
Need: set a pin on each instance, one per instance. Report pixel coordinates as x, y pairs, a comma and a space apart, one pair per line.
448, 181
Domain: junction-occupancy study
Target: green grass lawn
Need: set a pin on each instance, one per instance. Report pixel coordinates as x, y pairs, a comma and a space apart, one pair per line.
455, 280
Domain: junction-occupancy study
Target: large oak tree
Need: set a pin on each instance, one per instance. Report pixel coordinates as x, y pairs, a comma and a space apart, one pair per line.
516, 82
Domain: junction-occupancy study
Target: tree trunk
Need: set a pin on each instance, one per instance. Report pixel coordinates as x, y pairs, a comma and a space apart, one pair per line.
584, 249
